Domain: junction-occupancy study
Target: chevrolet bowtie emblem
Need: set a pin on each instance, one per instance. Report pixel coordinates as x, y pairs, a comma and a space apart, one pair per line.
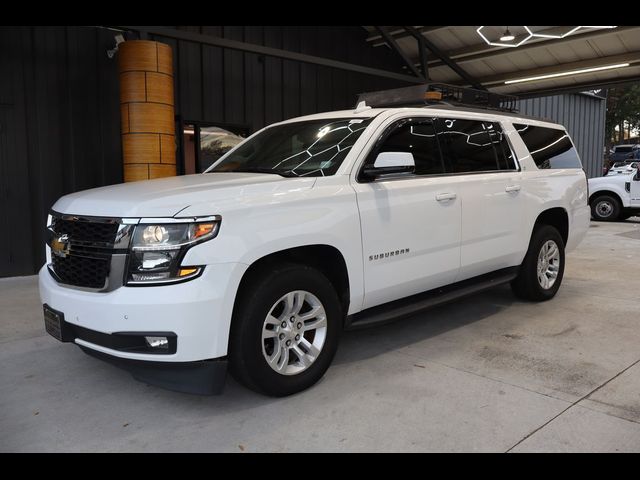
60, 245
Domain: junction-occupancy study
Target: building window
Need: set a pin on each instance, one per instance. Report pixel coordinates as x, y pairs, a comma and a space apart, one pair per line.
204, 143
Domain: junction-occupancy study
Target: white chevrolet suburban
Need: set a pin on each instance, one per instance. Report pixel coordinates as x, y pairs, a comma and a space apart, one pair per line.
310, 226
615, 197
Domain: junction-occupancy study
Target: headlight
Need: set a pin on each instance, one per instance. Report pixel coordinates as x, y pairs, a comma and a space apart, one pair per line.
157, 250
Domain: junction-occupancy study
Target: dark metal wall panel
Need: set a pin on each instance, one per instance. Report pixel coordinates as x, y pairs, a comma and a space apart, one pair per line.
212, 78
190, 77
15, 202
234, 79
60, 116
254, 80
583, 116
272, 77
291, 73
15, 226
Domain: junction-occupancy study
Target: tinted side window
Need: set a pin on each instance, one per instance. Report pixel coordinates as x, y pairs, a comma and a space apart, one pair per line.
467, 145
549, 147
506, 161
420, 140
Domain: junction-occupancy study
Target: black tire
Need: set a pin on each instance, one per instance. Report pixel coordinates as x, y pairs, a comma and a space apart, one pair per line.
526, 284
262, 290
606, 208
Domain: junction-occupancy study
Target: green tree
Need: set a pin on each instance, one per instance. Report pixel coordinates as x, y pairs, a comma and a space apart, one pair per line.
623, 111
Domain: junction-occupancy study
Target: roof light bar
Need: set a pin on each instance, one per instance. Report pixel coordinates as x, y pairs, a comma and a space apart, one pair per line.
436, 93
564, 74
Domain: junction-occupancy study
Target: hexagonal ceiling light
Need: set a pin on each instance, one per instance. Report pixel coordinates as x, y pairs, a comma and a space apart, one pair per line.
530, 34
569, 31
503, 43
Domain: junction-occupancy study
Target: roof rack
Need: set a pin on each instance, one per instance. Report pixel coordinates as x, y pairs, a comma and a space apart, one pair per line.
438, 93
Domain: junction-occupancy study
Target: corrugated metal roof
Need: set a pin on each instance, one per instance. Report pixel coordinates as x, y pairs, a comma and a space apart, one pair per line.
491, 66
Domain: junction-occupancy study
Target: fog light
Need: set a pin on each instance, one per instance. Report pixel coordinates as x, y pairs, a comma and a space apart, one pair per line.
157, 342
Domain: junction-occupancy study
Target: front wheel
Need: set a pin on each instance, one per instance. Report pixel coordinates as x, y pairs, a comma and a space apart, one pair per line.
285, 330
605, 208
542, 269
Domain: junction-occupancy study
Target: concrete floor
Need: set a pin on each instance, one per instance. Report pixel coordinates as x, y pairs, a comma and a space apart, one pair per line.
488, 373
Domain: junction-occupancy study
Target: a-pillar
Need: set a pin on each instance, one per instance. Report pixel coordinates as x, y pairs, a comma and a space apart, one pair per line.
147, 110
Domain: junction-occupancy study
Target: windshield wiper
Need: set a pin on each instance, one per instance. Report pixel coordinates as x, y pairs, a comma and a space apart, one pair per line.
287, 173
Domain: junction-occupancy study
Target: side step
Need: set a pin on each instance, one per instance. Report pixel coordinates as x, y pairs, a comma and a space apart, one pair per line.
405, 307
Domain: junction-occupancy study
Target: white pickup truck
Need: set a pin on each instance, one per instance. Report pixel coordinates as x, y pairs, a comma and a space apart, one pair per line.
615, 197
310, 226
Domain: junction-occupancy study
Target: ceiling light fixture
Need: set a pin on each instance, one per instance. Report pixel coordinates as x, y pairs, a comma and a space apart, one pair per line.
528, 34
507, 36
572, 31
564, 74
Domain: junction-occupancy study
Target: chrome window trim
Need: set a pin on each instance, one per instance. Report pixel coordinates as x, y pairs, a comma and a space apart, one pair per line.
409, 176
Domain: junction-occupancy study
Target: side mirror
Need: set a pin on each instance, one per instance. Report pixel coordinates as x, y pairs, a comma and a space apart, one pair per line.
388, 163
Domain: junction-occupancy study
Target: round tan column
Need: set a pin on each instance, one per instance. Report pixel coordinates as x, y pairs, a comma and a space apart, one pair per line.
147, 110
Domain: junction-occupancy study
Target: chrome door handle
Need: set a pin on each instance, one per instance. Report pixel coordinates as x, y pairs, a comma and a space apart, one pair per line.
443, 197
513, 188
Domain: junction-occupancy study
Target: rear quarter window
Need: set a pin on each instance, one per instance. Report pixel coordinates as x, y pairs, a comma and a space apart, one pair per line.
549, 147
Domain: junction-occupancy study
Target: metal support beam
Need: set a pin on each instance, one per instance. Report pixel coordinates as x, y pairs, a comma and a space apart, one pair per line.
394, 46
268, 51
422, 51
377, 40
445, 58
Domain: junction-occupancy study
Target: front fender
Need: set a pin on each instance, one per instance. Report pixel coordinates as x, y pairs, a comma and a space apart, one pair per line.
325, 215
613, 187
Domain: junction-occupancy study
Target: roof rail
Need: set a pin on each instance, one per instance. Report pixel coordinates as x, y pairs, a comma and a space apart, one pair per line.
439, 93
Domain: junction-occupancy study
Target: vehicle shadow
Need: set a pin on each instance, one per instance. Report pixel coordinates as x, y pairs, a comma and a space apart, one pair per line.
358, 345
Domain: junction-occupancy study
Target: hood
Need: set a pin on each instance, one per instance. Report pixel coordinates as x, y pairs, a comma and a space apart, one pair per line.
609, 178
166, 197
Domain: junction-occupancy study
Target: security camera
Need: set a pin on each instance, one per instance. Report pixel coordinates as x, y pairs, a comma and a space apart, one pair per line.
119, 39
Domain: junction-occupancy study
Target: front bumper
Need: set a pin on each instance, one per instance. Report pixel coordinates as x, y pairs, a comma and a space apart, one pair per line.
205, 377
198, 312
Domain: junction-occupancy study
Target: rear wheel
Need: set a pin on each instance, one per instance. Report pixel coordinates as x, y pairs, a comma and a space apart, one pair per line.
285, 330
605, 208
542, 269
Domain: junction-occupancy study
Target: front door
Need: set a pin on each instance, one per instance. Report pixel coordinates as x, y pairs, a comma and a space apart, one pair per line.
410, 223
634, 190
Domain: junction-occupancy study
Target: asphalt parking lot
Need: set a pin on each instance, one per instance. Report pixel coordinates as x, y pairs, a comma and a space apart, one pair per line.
488, 374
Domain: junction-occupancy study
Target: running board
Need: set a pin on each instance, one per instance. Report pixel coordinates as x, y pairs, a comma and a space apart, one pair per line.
408, 306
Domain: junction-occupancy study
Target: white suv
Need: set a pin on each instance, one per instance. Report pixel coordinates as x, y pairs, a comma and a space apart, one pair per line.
310, 226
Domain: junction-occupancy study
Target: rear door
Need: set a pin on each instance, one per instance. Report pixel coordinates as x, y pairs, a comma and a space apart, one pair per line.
491, 194
410, 223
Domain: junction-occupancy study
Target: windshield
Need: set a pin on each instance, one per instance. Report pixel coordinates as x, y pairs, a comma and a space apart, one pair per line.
312, 148
622, 149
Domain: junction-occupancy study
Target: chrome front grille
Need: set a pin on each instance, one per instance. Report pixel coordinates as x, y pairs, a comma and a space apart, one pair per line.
88, 252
